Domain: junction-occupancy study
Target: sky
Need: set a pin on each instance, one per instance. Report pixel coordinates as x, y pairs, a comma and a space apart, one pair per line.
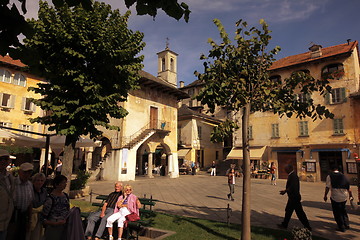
295, 25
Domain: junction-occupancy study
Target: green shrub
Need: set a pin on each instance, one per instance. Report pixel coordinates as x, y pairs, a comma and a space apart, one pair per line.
80, 181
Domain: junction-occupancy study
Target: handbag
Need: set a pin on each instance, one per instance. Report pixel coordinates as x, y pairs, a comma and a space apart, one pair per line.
132, 217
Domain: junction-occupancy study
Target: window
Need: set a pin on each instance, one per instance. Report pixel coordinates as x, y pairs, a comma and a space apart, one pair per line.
303, 98
351, 167
27, 128
303, 129
250, 132
217, 155
163, 64
5, 124
28, 105
199, 132
338, 126
172, 65
333, 71
337, 95
7, 100
19, 79
275, 130
310, 167
5, 76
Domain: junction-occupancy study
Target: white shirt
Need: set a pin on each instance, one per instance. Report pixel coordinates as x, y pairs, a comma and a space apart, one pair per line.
337, 194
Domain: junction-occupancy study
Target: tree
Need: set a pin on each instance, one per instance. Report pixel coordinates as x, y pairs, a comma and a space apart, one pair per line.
12, 22
236, 77
90, 61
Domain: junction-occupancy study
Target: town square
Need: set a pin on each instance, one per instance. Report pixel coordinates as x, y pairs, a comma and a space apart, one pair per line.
115, 113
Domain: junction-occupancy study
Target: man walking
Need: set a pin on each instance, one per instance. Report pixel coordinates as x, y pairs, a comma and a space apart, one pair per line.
106, 210
231, 173
294, 199
340, 191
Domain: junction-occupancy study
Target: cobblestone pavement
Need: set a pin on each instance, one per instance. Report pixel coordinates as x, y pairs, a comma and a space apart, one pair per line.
204, 196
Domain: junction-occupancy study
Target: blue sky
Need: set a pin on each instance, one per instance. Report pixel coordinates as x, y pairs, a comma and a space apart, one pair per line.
295, 25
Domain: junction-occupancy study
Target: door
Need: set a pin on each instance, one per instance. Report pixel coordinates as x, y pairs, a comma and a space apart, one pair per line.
283, 160
328, 159
153, 117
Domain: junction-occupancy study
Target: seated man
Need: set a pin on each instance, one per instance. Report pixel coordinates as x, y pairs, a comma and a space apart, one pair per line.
106, 210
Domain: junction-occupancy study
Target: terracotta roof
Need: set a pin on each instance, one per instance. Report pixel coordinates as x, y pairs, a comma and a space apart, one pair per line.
306, 57
184, 111
193, 84
8, 60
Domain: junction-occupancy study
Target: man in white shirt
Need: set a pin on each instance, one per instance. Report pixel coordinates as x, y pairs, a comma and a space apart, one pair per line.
340, 191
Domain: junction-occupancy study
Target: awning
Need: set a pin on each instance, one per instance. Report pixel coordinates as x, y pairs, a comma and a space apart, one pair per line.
58, 142
11, 138
332, 150
183, 152
255, 153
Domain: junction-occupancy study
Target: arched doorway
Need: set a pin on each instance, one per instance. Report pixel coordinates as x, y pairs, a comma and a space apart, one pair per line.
100, 154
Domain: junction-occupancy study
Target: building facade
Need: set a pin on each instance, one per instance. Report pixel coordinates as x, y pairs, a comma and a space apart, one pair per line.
147, 140
312, 146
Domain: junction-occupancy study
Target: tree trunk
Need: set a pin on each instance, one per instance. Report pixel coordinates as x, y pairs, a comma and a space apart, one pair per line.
246, 207
68, 159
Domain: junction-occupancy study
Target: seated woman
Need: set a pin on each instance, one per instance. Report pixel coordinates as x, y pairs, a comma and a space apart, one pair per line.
126, 204
56, 210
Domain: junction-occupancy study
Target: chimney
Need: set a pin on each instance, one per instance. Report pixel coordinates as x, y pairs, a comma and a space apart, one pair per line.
348, 41
315, 51
181, 84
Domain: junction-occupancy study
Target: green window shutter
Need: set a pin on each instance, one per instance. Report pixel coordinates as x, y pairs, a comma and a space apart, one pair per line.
343, 94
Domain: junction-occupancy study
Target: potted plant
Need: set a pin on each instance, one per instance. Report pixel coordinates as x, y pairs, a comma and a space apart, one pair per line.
78, 186
301, 234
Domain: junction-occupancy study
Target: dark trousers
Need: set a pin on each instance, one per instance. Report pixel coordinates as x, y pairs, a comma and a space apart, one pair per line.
340, 214
290, 207
17, 229
232, 190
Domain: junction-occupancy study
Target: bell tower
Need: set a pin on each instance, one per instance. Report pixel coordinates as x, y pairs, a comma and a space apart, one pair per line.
167, 65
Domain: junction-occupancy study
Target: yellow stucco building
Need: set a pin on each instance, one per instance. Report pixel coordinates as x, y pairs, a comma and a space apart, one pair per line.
311, 146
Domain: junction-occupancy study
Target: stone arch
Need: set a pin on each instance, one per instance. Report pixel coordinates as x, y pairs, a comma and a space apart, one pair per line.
101, 153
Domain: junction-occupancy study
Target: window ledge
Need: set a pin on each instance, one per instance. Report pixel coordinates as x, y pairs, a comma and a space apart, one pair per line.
338, 134
275, 137
303, 136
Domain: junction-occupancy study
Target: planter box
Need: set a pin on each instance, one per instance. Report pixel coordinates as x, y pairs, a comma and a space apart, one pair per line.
79, 193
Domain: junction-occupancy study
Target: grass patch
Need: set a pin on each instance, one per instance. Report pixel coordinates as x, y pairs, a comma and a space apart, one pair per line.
187, 228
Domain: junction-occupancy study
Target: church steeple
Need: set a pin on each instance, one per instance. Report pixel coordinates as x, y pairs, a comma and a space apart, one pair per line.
167, 65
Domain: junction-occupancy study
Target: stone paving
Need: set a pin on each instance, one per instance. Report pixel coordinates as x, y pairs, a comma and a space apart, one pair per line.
204, 196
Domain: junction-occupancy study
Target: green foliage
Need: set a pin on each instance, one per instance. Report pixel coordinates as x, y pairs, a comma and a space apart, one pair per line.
90, 61
236, 74
80, 181
12, 22
17, 150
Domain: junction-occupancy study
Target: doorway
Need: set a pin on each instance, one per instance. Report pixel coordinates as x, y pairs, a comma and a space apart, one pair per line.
285, 158
153, 117
328, 159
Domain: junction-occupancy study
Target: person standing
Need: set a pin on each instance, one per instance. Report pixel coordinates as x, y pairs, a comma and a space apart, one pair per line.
272, 173
58, 168
55, 211
231, 173
213, 169
7, 187
294, 199
340, 191
40, 195
106, 210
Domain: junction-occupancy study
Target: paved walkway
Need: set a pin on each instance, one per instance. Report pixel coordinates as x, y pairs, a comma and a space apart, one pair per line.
203, 196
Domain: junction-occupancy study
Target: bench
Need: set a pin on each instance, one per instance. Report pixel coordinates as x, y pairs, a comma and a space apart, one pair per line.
146, 211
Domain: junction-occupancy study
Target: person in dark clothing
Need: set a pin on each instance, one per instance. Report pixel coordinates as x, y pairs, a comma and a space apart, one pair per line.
294, 199
106, 211
340, 191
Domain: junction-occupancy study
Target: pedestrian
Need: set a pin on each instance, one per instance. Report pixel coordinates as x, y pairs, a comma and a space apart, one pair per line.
213, 169
23, 196
193, 168
340, 191
7, 188
58, 167
47, 169
55, 210
294, 199
40, 195
231, 174
106, 211
127, 204
272, 173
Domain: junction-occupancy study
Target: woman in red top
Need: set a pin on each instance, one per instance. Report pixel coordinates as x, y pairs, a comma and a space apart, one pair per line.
272, 172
